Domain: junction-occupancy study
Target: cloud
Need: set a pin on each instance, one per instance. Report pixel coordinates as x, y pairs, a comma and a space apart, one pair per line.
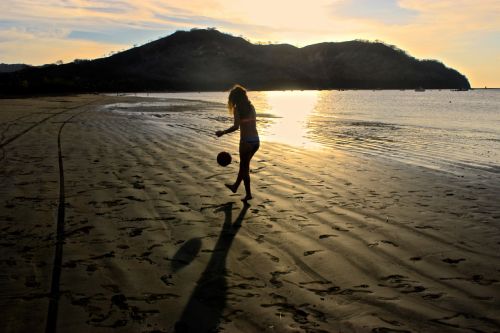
119, 36
12, 34
99, 6
29, 30
194, 20
106, 10
458, 32
386, 11
190, 20
39, 51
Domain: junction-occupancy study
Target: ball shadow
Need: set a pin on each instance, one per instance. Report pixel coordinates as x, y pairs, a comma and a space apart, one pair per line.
204, 309
186, 254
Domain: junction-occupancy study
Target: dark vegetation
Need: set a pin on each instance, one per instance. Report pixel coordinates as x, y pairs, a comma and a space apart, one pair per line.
9, 68
205, 60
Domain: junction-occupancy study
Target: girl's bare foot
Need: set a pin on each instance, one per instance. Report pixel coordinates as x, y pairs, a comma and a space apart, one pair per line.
231, 187
246, 198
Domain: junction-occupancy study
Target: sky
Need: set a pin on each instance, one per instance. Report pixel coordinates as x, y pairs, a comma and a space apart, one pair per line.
463, 34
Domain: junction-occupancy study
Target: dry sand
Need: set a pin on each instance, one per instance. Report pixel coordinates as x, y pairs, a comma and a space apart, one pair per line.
147, 236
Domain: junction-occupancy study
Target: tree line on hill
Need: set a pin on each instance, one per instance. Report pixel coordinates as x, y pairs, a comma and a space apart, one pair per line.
208, 60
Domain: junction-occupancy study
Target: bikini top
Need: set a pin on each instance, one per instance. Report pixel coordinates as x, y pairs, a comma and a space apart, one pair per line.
251, 118
247, 120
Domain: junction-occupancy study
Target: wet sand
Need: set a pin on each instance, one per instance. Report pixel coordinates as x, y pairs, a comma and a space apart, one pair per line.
120, 222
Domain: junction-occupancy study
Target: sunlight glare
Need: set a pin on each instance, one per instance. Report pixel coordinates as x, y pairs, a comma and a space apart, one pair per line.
287, 113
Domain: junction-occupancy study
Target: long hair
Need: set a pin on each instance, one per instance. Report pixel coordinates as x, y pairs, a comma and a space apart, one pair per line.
238, 101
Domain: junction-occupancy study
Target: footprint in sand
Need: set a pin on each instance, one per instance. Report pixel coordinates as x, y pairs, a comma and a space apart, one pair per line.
326, 236
244, 254
402, 283
308, 253
453, 261
383, 241
432, 296
273, 258
166, 279
31, 282
477, 278
132, 198
275, 275
135, 232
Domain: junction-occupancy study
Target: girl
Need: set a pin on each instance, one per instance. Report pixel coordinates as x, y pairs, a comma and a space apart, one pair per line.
245, 119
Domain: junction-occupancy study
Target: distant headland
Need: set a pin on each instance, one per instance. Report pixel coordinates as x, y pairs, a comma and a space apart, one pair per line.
209, 60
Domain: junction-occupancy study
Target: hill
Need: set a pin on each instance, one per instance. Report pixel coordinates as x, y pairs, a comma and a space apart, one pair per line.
9, 68
200, 60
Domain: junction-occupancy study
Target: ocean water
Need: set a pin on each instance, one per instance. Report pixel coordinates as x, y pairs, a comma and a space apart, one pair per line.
446, 130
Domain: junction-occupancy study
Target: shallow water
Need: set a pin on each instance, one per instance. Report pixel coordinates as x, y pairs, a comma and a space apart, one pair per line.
447, 130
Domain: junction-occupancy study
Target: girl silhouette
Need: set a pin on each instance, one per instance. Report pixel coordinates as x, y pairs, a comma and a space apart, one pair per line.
245, 120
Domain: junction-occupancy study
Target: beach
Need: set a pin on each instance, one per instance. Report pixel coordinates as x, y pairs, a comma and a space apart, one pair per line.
117, 220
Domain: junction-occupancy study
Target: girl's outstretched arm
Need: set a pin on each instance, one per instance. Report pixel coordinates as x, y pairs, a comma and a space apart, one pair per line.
231, 129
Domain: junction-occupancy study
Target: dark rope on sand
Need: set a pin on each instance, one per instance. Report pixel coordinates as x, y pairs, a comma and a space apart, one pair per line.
51, 326
21, 133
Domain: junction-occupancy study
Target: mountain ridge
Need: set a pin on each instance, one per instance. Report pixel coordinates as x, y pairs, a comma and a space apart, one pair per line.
209, 60
9, 68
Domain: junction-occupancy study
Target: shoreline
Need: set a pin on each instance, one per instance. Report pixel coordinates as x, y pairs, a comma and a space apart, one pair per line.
152, 239
124, 94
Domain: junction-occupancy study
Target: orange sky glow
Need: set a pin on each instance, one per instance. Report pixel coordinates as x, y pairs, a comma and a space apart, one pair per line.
463, 34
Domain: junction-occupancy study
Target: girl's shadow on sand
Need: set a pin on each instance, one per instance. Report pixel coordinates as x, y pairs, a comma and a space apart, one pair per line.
203, 311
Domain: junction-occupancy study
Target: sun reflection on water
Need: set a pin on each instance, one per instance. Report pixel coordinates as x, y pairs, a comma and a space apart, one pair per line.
283, 116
